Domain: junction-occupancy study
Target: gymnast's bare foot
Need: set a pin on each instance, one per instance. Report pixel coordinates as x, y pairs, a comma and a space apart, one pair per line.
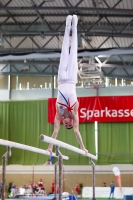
69, 20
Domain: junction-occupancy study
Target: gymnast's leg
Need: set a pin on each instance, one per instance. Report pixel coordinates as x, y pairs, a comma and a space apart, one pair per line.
62, 72
72, 61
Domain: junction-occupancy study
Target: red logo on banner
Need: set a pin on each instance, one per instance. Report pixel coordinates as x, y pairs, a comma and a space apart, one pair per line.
101, 109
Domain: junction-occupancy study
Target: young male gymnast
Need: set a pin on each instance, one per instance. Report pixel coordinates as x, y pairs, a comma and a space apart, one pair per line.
67, 103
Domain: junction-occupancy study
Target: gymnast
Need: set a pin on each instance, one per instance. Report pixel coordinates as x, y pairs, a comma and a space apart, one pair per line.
67, 103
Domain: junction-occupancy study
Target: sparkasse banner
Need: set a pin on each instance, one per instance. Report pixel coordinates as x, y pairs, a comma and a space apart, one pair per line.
101, 109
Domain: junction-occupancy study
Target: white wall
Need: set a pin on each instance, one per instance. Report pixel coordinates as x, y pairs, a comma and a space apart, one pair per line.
68, 169
116, 91
47, 93
4, 94
107, 91
30, 94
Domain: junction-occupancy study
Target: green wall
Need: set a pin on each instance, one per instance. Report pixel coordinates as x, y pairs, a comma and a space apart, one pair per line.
24, 121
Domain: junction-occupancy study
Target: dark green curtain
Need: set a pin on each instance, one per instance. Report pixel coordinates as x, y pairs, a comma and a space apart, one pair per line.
24, 121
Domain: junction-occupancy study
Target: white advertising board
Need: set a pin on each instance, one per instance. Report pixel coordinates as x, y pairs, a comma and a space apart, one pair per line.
105, 192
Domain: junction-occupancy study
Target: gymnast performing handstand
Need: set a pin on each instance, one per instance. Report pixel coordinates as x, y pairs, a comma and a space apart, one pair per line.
67, 103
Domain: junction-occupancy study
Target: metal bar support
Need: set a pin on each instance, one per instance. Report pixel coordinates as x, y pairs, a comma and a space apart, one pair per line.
55, 179
93, 178
4, 158
58, 153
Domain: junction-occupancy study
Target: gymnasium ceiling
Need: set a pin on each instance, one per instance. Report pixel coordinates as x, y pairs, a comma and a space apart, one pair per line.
31, 35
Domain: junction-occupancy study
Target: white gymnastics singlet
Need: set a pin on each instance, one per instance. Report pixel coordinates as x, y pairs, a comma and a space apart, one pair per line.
66, 97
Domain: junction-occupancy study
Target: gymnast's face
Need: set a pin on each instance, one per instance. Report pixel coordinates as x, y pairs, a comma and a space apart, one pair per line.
68, 123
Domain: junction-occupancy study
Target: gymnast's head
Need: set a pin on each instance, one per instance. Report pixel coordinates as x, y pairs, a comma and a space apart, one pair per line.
68, 122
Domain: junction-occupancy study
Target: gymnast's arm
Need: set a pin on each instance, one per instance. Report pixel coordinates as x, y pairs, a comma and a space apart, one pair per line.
56, 129
76, 124
76, 128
